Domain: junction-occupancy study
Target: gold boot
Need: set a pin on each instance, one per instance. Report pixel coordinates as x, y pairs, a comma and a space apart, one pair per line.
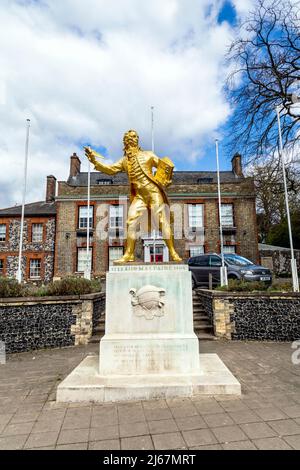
129, 253
126, 258
174, 255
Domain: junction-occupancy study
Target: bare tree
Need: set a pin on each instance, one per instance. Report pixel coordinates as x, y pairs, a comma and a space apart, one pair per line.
270, 193
265, 61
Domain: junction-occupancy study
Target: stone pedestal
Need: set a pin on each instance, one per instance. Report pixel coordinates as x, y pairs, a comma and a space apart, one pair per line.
149, 322
149, 349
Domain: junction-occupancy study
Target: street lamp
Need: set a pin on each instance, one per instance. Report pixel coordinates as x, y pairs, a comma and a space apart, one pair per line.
294, 99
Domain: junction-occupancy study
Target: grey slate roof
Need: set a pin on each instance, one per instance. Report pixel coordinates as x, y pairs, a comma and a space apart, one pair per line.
40, 208
179, 177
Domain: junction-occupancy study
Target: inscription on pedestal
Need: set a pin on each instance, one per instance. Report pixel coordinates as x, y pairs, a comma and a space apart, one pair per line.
149, 267
148, 357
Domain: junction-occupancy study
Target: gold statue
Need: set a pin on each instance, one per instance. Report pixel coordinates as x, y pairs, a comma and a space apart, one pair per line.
147, 191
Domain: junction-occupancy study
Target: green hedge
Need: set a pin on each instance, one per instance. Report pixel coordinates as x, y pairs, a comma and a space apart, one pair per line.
66, 286
11, 288
235, 285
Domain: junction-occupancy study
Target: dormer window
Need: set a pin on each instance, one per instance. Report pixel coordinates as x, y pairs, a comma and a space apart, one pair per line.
104, 181
204, 180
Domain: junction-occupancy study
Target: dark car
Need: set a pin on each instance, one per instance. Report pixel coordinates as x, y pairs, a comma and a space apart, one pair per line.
238, 267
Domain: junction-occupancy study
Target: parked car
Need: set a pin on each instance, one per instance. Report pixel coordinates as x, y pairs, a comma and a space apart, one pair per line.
238, 267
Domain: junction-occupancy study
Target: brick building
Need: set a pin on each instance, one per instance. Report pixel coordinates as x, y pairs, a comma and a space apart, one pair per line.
38, 238
194, 205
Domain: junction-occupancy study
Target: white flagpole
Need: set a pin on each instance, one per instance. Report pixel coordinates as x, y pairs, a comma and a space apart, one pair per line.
293, 260
152, 127
87, 273
223, 269
19, 272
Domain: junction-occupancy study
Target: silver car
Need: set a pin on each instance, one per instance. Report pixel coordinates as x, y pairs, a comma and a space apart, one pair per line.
238, 267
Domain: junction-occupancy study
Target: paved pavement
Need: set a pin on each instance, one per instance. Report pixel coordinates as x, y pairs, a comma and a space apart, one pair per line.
267, 416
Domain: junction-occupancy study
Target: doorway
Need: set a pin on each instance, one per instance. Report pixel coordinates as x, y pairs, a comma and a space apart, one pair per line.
156, 253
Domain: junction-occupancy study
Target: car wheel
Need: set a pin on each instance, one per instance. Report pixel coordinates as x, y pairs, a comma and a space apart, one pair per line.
232, 276
194, 285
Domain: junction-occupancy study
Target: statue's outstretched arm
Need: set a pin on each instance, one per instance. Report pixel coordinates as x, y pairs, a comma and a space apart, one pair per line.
98, 165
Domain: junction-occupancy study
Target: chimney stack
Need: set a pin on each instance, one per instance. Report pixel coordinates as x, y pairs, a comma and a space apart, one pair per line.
237, 165
51, 188
75, 165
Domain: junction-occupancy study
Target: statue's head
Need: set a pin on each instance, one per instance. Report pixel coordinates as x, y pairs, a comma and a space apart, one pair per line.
131, 139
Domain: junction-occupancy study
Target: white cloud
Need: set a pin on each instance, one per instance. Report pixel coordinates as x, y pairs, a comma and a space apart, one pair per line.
88, 71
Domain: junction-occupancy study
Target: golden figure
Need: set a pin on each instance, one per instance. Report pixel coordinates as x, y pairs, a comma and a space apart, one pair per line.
147, 191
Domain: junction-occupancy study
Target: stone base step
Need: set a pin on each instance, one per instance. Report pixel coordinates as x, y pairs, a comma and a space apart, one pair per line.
95, 339
206, 336
200, 328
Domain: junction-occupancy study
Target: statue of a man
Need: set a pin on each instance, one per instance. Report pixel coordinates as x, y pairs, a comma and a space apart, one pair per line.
146, 190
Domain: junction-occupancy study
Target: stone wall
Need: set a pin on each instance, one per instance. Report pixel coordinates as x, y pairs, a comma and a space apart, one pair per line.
253, 316
50, 322
279, 260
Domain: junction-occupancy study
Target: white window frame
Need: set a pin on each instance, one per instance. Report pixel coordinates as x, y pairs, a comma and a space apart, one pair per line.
33, 269
196, 250
82, 219
111, 249
229, 249
2, 270
40, 232
3, 232
225, 217
116, 211
81, 259
196, 215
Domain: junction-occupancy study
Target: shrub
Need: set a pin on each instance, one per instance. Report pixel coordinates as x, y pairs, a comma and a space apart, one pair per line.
281, 287
234, 285
69, 286
10, 287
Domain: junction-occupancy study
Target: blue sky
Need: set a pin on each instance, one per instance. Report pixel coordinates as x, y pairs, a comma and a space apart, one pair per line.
87, 72
227, 13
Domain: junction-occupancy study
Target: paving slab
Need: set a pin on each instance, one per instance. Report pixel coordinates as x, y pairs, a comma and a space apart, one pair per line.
137, 443
166, 441
199, 437
229, 434
293, 441
272, 443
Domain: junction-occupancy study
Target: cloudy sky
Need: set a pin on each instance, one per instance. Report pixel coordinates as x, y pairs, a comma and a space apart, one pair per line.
86, 71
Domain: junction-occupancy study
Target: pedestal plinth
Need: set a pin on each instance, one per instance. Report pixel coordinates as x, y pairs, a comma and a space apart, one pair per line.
149, 349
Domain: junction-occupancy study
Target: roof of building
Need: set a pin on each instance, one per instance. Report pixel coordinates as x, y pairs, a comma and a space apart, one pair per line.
34, 209
179, 177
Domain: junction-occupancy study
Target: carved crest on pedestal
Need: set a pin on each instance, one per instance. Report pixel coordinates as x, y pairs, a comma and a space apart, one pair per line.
148, 301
